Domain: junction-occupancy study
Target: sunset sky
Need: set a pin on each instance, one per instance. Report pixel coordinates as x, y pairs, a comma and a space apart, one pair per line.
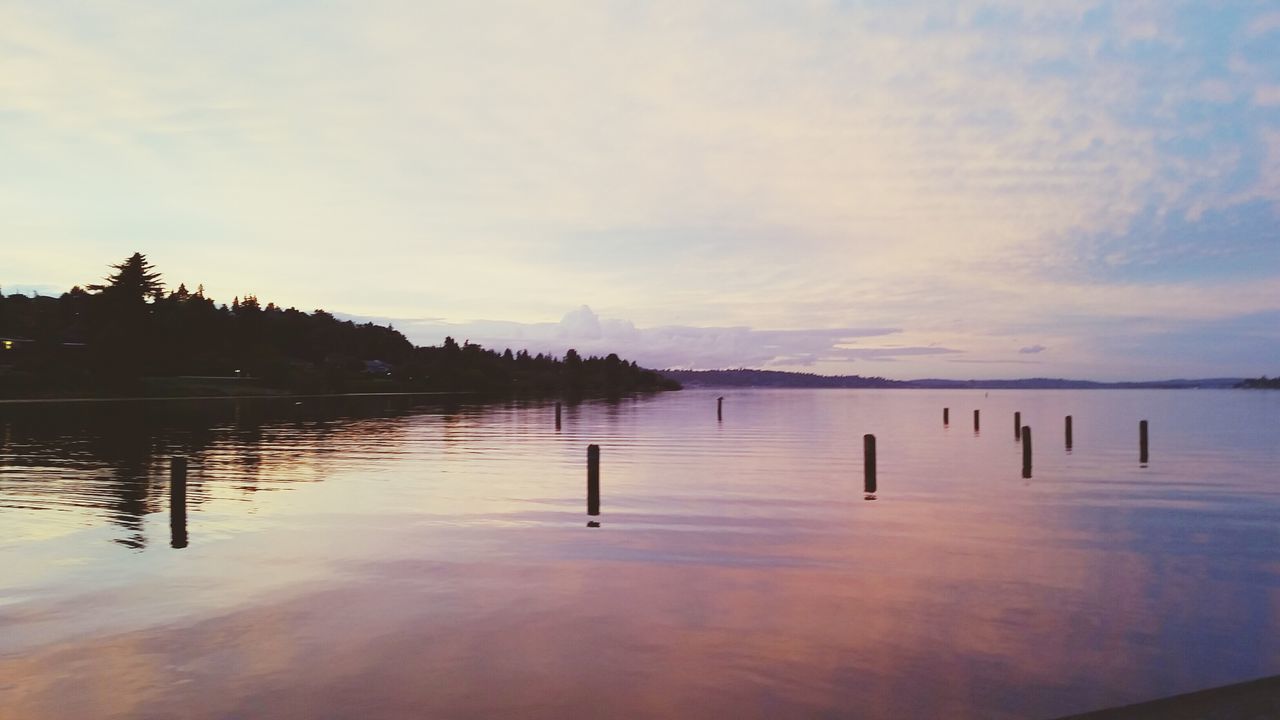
907, 189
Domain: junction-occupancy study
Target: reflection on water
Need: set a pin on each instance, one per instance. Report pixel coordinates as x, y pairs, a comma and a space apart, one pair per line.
112, 460
386, 557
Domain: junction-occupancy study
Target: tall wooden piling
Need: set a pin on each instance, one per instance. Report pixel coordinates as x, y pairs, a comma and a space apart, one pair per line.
1026, 452
593, 479
946, 416
869, 463
1068, 431
720, 408
1142, 442
976, 424
557, 416
178, 502
1017, 426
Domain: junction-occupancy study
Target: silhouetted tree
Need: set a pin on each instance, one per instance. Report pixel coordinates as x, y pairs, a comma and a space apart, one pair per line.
133, 279
127, 329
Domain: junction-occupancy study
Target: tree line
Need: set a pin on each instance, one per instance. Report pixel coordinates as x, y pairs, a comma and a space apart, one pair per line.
129, 335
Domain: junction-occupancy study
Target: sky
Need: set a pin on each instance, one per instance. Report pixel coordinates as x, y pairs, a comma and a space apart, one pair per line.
904, 189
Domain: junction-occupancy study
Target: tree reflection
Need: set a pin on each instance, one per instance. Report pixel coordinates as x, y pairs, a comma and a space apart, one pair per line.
111, 460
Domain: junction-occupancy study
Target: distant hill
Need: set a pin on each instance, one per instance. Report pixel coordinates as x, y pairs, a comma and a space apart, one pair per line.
774, 378
779, 379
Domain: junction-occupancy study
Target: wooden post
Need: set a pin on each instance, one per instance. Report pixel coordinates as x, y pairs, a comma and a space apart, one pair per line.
946, 416
1026, 452
178, 502
593, 479
1142, 442
976, 425
1017, 426
557, 416
1068, 432
869, 463
720, 408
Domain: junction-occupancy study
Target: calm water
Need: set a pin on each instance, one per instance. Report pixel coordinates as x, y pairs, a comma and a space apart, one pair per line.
383, 559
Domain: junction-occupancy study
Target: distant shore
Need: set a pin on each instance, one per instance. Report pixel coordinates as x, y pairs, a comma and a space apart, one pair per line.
779, 379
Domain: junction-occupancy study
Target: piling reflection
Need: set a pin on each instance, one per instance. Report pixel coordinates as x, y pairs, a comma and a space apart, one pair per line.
178, 503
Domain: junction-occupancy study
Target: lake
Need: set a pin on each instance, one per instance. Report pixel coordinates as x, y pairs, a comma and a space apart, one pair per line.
411, 558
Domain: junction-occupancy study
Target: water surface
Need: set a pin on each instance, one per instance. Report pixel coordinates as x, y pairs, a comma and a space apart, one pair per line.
400, 558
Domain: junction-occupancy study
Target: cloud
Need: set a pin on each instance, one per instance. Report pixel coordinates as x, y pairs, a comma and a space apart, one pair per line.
671, 346
1264, 24
1267, 95
954, 173
1032, 349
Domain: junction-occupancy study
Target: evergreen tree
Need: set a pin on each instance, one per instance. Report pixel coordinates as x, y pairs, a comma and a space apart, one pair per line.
133, 279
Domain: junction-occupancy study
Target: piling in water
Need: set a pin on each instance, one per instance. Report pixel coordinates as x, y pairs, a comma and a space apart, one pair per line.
946, 416
720, 408
1142, 442
178, 502
1068, 432
557, 416
976, 425
869, 463
1017, 426
593, 479
1026, 452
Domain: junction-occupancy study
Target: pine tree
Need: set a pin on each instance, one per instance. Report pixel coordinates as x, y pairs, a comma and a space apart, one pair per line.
134, 279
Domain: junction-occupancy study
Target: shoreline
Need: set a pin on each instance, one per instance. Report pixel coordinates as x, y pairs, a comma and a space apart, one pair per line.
149, 398
1250, 700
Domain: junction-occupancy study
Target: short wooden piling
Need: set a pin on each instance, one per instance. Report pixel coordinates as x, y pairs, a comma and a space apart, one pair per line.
593, 479
1142, 442
720, 408
946, 416
557, 416
178, 502
1017, 426
976, 423
1068, 429
869, 463
1026, 452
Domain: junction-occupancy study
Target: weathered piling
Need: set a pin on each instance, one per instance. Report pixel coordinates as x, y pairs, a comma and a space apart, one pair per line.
976, 423
593, 479
1142, 442
557, 416
1026, 452
946, 416
1068, 430
178, 502
1017, 426
869, 463
720, 408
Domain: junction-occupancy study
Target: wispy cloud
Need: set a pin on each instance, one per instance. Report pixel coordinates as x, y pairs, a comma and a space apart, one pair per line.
958, 172
673, 346
1267, 95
